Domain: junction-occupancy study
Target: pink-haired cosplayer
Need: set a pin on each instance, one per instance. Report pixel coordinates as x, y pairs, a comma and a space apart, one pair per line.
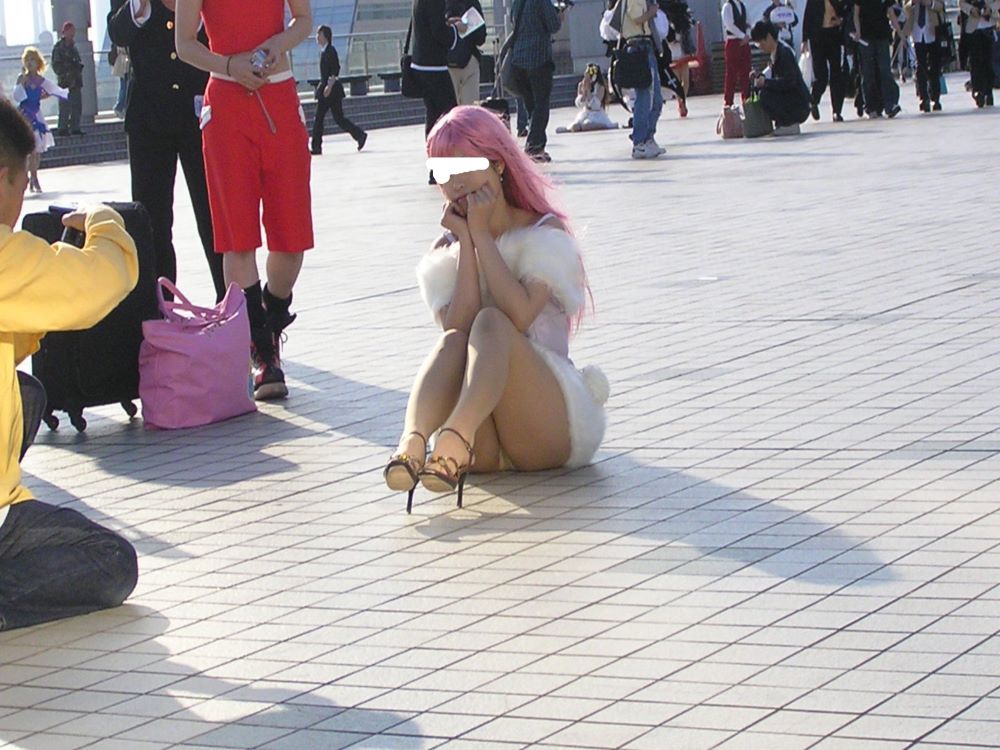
506, 282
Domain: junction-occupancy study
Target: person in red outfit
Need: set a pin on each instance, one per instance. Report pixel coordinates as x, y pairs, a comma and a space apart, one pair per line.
256, 153
736, 29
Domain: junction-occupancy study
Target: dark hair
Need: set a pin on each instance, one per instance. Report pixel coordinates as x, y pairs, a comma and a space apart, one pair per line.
327, 32
17, 140
762, 29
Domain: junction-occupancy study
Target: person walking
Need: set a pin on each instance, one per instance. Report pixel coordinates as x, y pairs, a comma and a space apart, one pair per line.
922, 19
256, 150
330, 94
464, 57
161, 125
823, 38
980, 20
736, 52
68, 67
531, 56
636, 32
874, 33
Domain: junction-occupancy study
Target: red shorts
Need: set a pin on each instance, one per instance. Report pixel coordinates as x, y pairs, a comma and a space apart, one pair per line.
246, 164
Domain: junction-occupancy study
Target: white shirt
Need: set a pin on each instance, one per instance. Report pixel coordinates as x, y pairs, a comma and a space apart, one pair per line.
732, 31
922, 34
140, 20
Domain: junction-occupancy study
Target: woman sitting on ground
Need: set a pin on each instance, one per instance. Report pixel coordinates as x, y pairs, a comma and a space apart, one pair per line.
592, 99
506, 283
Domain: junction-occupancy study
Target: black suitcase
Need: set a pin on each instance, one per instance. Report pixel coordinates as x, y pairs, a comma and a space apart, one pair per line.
100, 365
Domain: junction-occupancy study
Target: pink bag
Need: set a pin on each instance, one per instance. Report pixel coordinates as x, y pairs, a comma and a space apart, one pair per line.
729, 124
194, 369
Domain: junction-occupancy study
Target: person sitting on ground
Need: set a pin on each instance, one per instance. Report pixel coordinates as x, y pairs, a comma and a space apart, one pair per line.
783, 92
54, 563
506, 282
592, 98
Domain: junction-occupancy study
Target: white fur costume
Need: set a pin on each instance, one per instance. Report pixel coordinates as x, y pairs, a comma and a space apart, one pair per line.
551, 256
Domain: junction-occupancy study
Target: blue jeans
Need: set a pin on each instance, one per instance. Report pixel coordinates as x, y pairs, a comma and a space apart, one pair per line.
54, 563
881, 91
122, 94
648, 104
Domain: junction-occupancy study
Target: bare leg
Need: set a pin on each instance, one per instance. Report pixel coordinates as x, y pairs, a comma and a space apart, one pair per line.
34, 160
240, 267
505, 377
435, 391
282, 272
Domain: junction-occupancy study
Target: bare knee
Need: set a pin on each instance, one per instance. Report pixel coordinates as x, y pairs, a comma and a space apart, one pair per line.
453, 340
491, 323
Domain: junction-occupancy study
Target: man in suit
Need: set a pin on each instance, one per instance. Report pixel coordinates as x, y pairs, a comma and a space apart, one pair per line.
330, 94
162, 125
68, 67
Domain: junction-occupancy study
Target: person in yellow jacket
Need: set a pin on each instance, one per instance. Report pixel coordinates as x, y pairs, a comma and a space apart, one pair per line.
54, 563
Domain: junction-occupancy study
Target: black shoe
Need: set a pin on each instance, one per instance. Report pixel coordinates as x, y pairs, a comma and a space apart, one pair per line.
837, 117
925, 106
268, 378
522, 133
362, 141
316, 151
980, 100
814, 111
539, 157
893, 112
936, 107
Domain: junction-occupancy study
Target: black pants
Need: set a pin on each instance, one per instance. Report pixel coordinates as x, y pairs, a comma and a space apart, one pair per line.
439, 95
981, 63
70, 109
828, 67
153, 160
785, 107
335, 106
536, 85
928, 72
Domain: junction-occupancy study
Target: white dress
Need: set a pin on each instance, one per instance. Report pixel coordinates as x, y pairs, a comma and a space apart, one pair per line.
592, 115
551, 256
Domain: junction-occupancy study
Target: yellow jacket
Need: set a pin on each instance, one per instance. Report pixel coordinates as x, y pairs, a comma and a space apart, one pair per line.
52, 288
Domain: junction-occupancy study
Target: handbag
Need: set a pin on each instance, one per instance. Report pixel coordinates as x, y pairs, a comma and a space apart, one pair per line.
409, 86
806, 67
630, 67
730, 124
194, 368
756, 120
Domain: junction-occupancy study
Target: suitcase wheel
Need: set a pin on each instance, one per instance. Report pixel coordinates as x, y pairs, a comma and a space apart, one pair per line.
51, 421
130, 409
76, 419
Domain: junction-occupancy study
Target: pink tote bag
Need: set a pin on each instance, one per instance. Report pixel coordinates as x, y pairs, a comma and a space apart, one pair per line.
194, 365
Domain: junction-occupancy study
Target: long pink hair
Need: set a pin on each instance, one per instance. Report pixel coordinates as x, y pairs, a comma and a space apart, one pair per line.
476, 131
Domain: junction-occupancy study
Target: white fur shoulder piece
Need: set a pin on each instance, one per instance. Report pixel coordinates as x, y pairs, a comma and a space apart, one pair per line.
544, 254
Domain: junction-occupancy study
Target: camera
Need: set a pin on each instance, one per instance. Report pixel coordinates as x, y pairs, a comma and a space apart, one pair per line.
258, 60
70, 235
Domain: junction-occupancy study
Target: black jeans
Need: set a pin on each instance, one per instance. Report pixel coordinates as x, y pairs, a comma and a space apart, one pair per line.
70, 109
439, 95
536, 85
153, 162
828, 67
335, 106
54, 563
928, 72
981, 62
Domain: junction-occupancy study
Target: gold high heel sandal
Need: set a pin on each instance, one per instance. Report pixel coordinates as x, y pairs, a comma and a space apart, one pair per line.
450, 474
400, 473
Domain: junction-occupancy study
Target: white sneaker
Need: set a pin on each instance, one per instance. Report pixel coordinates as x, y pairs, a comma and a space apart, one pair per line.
644, 151
788, 130
659, 149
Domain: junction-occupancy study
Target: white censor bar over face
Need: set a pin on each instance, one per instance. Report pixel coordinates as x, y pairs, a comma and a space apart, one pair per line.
783, 15
445, 167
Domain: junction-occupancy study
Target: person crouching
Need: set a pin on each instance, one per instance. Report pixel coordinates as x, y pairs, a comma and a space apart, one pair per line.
783, 92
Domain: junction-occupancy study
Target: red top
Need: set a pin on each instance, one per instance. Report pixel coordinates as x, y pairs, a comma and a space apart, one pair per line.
236, 26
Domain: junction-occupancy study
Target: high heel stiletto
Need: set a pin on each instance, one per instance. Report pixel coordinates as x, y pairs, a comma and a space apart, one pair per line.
400, 474
450, 474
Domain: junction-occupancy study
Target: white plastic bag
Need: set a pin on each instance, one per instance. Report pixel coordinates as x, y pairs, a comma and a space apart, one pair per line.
607, 31
806, 66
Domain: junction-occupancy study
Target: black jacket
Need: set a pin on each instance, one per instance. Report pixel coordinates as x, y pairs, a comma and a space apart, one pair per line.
473, 41
163, 87
431, 37
786, 76
812, 18
329, 67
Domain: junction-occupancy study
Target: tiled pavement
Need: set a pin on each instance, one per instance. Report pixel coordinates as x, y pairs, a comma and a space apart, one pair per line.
790, 538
